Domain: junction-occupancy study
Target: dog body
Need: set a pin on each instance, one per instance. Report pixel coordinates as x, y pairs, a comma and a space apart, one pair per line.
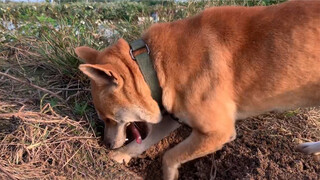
223, 64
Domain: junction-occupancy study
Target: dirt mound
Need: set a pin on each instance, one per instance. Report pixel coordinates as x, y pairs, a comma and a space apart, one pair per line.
264, 149
40, 143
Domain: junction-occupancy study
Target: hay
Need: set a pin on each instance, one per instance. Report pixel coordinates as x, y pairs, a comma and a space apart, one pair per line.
45, 145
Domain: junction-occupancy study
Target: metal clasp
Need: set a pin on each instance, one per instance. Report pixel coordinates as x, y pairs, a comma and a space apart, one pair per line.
131, 51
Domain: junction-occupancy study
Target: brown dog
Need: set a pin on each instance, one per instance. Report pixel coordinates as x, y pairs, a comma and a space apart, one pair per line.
223, 64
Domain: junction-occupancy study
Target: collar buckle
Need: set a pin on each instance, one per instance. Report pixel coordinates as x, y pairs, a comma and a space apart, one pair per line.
139, 45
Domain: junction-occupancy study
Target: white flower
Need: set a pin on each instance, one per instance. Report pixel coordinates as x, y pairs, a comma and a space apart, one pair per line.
2, 39
82, 22
98, 22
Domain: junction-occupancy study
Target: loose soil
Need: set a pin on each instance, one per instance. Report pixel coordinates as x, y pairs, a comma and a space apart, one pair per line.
264, 149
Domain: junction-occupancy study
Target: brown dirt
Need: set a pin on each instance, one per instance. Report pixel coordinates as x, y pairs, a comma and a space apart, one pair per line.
264, 149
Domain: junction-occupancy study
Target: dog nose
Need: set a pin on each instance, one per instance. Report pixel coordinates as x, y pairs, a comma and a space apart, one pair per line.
108, 145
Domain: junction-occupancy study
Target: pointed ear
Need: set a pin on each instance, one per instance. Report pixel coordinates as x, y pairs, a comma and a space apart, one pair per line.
102, 74
123, 44
88, 54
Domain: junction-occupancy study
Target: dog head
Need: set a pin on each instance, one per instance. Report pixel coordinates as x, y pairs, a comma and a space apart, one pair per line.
120, 94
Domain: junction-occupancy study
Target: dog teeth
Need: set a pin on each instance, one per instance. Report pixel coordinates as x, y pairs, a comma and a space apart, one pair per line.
127, 139
128, 124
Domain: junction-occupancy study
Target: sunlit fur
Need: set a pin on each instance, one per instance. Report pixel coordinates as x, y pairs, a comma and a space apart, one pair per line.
223, 64
120, 96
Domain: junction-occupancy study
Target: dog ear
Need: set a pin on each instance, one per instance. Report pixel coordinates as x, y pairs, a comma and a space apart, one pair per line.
102, 74
123, 45
88, 54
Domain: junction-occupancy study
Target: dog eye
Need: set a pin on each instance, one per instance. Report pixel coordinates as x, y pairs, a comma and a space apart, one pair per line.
110, 121
107, 120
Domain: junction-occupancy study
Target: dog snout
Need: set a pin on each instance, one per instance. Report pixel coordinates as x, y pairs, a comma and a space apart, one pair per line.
109, 144
112, 144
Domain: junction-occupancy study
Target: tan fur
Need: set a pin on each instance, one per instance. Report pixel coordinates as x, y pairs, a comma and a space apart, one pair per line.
223, 64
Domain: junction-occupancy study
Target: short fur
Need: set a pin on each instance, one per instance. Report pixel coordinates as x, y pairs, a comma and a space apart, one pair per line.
223, 64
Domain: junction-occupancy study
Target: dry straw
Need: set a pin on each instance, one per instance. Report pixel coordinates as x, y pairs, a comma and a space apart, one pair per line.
45, 145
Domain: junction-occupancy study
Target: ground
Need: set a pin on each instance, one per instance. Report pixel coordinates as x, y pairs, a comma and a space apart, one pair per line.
49, 131
41, 141
264, 149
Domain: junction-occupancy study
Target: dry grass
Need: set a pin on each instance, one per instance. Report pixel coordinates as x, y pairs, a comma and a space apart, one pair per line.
43, 138
47, 137
41, 144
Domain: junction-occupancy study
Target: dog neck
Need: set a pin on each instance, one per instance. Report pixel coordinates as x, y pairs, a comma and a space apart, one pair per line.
140, 52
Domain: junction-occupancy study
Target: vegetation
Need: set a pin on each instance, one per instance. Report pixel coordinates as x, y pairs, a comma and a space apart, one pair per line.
48, 34
37, 44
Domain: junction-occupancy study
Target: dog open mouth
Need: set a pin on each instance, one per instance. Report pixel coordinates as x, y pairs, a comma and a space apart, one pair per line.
136, 131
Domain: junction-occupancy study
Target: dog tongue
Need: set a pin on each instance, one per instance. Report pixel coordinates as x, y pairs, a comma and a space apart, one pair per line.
135, 133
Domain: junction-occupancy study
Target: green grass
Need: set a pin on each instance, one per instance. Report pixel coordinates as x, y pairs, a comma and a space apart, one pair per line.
41, 46
41, 50
58, 29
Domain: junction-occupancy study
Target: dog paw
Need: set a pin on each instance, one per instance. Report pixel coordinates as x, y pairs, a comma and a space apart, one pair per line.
309, 148
120, 157
170, 173
169, 170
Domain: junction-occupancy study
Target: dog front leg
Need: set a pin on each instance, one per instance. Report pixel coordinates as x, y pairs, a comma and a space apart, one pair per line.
133, 149
198, 144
